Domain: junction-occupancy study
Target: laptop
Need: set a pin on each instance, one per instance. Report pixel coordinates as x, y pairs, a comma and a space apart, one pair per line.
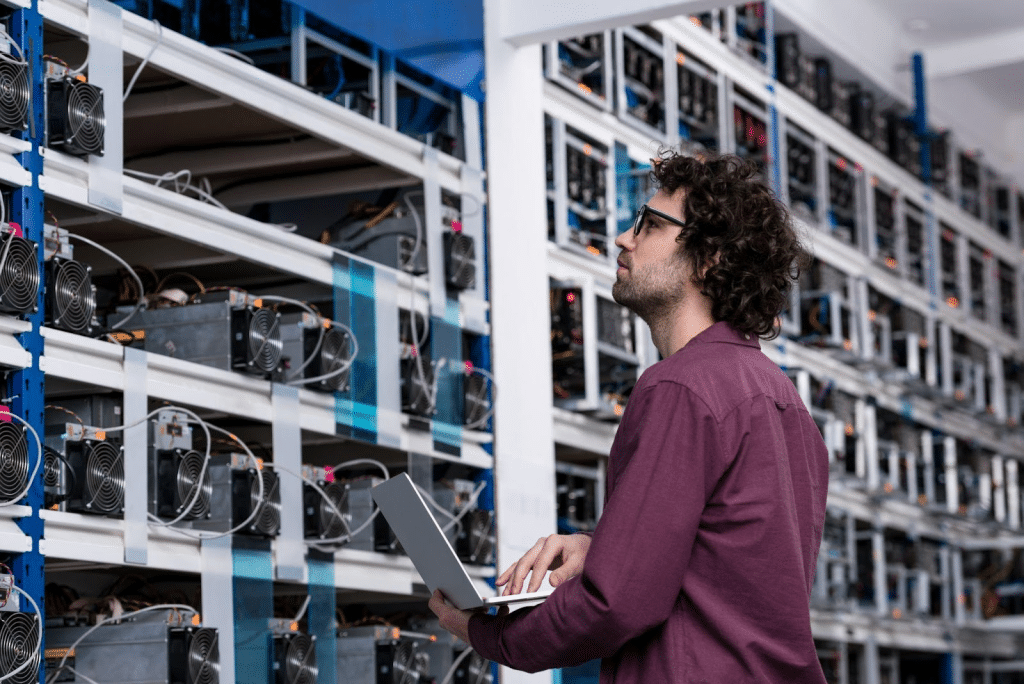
428, 547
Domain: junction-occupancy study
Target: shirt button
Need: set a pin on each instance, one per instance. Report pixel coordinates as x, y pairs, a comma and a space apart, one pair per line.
747, 336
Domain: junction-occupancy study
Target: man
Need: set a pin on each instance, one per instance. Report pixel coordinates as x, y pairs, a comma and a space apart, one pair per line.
700, 568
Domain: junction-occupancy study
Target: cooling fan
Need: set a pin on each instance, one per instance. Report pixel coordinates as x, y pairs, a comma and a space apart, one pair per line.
70, 295
335, 353
14, 95
263, 345
267, 520
409, 665
294, 659
459, 260
18, 636
321, 522
13, 461
75, 118
475, 543
203, 657
177, 474
19, 271
477, 401
418, 389
475, 669
103, 490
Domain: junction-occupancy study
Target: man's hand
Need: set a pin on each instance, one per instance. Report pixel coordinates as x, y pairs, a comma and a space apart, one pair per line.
451, 618
563, 553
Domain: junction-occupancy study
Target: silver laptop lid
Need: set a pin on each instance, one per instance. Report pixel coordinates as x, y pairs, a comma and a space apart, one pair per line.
424, 542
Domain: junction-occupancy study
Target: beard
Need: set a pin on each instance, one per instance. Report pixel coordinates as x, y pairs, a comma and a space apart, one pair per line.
651, 293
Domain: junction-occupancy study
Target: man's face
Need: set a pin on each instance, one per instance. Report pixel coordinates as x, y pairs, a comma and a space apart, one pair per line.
654, 277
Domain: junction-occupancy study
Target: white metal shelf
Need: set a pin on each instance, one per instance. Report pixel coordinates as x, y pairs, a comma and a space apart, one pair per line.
912, 633
12, 539
274, 97
101, 363
81, 541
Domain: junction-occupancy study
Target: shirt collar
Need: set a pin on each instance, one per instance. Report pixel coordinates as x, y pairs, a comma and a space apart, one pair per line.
723, 332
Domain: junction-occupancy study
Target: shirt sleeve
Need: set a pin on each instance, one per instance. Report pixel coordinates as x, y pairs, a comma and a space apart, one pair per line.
641, 546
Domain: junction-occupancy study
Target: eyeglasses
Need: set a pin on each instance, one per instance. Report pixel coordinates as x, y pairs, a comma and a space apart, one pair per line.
641, 215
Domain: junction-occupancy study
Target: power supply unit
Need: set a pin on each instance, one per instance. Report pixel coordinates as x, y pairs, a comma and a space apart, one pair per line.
19, 633
235, 496
393, 235
320, 521
174, 470
293, 654
84, 470
787, 59
303, 336
150, 648
75, 121
380, 654
70, 295
444, 650
226, 330
375, 536
19, 268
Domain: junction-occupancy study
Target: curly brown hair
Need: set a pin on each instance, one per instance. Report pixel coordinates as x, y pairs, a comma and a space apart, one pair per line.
737, 227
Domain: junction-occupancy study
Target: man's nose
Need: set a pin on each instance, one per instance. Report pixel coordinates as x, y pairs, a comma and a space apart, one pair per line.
625, 240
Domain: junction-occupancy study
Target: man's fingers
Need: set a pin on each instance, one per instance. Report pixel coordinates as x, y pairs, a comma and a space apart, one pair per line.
552, 550
524, 566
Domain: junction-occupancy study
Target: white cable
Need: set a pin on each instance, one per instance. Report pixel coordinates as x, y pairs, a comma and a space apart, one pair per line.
407, 198
6, 36
486, 374
469, 505
88, 680
180, 186
138, 281
302, 610
236, 54
122, 616
196, 534
75, 72
312, 312
135, 76
458, 661
39, 635
39, 460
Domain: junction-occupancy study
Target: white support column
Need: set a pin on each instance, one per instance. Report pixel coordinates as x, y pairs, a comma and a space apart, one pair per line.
956, 569
998, 489
952, 493
878, 572
928, 459
867, 443
524, 460
1012, 494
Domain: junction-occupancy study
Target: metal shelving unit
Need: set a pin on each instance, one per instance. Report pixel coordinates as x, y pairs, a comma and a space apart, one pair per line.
332, 148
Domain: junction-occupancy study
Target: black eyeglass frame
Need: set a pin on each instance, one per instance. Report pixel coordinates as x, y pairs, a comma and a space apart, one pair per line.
641, 214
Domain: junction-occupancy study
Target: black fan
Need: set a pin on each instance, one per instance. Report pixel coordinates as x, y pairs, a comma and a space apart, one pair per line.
104, 478
334, 354
71, 296
331, 524
18, 637
187, 480
13, 461
459, 260
264, 347
297, 665
410, 665
75, 117
14, 95
475, 669
475, 543
19, 269
203, 657
267, 520
417, 390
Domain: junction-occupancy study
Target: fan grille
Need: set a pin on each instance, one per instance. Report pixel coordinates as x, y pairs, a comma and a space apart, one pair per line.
187, 480
330, 523
334, 354
477, 403
18, 636
74, 298
51, 470
19, 276
265, 345
204, 657
268, 516
13, 461
14, 95
86, 120
460, 263
300, 660
104, 478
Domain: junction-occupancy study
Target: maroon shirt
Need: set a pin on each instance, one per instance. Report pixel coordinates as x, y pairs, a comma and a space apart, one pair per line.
701, 566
